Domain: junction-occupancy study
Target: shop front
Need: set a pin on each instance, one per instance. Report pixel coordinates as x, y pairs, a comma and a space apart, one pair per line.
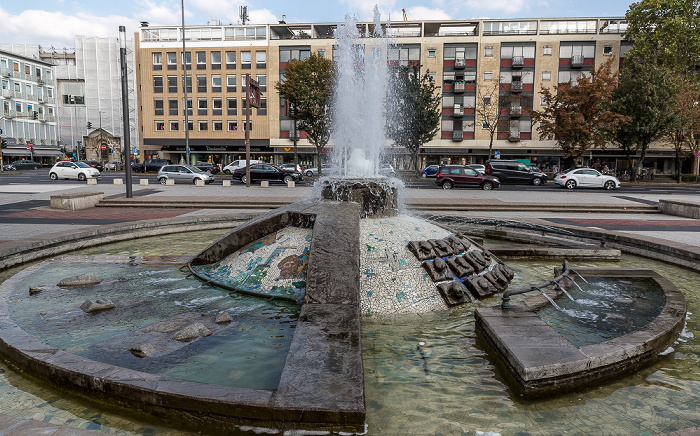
220, 153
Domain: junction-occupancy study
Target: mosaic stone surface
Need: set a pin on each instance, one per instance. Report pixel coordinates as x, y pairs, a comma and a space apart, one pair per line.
271, 266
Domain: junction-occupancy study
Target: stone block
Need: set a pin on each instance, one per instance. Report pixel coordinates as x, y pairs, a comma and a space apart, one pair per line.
291, 184
199, 182
264, 184
92, 181
118, 181
478, 259
460, 267
437, 270
479, 286
76, 201
442, 249
423, 250
143, 182
227, 183
170, 182
454, 293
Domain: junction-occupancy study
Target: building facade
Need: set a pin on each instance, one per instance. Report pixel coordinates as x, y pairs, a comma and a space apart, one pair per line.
466, 58
28, 125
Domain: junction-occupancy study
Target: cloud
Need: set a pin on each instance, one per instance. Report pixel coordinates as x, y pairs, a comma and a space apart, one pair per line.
506, 6
227, 11
364, 9
421, 13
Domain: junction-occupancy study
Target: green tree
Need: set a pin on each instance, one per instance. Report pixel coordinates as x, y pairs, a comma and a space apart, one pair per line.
412, 110
575, 116
646, 97
308, 85
487, 109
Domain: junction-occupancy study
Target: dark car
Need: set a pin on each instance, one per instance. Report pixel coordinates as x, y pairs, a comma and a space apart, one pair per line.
430, 171
26, 165
94, 164
150, 166
207, 166
449, 176
272, 173
512, 171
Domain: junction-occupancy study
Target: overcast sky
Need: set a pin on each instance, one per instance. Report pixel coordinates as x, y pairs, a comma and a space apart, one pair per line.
55, 22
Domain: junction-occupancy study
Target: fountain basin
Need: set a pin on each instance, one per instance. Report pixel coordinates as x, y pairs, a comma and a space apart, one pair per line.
542, 362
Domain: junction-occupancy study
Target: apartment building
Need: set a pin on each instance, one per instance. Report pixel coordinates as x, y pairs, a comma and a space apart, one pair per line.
28, 112
464, 57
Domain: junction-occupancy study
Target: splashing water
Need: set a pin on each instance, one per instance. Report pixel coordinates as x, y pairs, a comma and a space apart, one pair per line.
361, 86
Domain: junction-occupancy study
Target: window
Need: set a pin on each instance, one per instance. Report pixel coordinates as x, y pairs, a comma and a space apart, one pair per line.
201, 106
172, 106
231, 106
189, 107
546, 75
201, 83
262, 81
172, 60
321, 53
287, 55
216, 106
188, 60
485, 125
432, 53
216, 60
261, 59
217, 126
232, 126
158, 104
157, 83
262, 110
203, 126
160, 126
543, 101
245, 60
607, 50
243, 83
157, 61
487, 100
231, 83
248, 126
488, 51
230, 59
488, 76
172, 83
190, 125
547, 50
201, 60
216, 83
188, 83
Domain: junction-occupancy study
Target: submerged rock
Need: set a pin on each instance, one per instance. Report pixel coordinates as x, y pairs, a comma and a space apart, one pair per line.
143, 350
38, 288
191, 332
223, 317
80, 280
90, 306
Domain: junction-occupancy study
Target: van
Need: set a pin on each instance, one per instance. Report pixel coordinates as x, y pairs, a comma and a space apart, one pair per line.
512, 171
233, 166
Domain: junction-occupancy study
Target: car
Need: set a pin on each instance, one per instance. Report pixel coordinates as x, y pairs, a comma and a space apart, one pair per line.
449, 176
207, 166
73, 170
115, 165
481, 169
430, 171
586, 178
8, 167
512, 171
93, 163
386, 170
326, 169
26, 165
240, 163
183, 173
272, 173
291, 167
150, 166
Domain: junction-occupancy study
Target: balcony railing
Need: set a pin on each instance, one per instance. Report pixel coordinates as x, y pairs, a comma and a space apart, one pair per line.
577, 61
6, 93
518, 61
459, 87
457, 135
458, 111
514, 134
460, 63
516, 86
515, 111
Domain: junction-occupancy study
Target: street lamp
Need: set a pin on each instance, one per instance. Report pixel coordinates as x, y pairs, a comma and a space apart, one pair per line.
125, 110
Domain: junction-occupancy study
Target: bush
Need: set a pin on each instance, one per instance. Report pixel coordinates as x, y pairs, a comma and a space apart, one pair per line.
687, 177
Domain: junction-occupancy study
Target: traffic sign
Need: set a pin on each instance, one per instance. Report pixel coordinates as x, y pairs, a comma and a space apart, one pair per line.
104, 146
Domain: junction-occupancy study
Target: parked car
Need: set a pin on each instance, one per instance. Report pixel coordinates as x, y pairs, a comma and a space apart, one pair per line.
386, 170
73, 170
8, 167
207, 166
290, 166
449, 176
150, 166
236, 164
512, 171
326, 169
585, 178
93, 163
183, 173
26, 165
115, 165
481, 169
272, 173
430, 171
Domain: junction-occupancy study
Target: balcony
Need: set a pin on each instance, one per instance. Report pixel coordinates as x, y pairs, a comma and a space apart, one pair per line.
17, 94
514, 134
516, 86
39, 81
51, 119
11, 114
516, 111
518, 61
457, 135
16, 74
6, 93
459, 87
460, 63
577, 61
458, 111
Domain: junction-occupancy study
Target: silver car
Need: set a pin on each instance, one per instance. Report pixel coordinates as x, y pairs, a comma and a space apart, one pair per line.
183, 173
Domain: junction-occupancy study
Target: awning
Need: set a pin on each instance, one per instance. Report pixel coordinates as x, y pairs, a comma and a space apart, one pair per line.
48, 153
15, 152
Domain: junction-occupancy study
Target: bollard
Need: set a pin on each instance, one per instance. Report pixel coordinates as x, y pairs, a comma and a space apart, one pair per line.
170, 182
264, 184
92, 181
291, 184
118, 181
227, 183
143, 182
199, 182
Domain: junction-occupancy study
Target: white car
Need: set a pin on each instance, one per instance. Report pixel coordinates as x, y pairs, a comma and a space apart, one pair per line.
73, 170
233, 166
585, 178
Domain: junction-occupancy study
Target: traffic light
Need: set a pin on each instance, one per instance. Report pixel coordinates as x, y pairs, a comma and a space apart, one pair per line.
35, 115
89, 125
3, 143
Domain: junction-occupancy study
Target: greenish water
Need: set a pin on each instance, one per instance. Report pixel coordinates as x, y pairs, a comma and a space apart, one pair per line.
450, 387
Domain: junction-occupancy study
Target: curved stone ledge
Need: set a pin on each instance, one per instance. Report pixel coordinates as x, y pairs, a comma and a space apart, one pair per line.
541, 361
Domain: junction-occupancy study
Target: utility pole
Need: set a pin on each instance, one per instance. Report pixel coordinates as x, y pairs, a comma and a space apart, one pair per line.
184, 85
125, 110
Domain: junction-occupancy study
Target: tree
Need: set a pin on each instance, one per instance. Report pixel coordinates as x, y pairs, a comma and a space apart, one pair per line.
413, 110
574, 114
646, 98
688, 106
308, 85
488, 109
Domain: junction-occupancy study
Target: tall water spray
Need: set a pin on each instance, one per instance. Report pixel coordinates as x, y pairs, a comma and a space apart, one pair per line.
361, 87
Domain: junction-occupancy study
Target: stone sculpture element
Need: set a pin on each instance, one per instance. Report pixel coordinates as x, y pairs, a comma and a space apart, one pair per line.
479, 286
497, 279
454, 293
80, 280
423, 250
506, 271
464, 239
90, 306
456, 244
442, 249
437, 270
460, 267
478, 259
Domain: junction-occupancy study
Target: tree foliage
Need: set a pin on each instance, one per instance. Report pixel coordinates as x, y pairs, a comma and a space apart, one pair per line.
412, 110
308, 85
575, 114
487, 109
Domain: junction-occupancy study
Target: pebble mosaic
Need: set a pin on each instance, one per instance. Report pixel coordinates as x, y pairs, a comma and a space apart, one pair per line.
271, 266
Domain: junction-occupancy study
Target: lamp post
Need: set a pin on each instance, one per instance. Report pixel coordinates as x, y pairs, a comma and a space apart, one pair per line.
125, 110
184, 86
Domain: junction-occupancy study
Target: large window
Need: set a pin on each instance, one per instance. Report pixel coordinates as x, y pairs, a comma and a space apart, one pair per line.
172, 60
230, 59
245, 59
262, 81
216, 60
158, 105
287, 55
261, 59
510, 28
232, 104
216, 83
73, 93
172, 83
201, 83
172, 106
201, 106
157, 61
568, 51
216, 106
231, 83
201, 60
403, 56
